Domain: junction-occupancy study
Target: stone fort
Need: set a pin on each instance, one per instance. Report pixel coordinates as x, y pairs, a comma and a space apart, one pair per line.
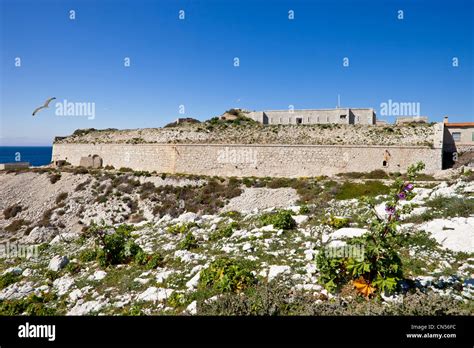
316, 116
275, 151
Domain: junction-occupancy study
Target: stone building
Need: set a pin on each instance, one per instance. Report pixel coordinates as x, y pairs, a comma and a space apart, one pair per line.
458, 137
316, 116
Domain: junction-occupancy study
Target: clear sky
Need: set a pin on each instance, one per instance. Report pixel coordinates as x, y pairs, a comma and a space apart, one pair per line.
190, 62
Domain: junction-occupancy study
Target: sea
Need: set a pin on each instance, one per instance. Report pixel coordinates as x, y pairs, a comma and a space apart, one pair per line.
36, 155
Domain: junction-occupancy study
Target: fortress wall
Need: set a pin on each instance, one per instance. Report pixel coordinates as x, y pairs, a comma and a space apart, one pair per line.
252, 160
139, 157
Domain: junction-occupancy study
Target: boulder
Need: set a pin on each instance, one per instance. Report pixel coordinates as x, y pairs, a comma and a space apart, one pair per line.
58, 262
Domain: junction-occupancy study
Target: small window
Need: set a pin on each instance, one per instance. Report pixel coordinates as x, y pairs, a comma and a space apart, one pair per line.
317, 119
327, 119
457, 136
384, 163
472, 136
343, 117
299, 120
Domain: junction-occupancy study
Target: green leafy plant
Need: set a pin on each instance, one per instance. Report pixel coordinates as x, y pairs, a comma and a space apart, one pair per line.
181, 228
188, 242
281, 220
8, 279
225, 274
380, 268
224, 232
304, 209
336, 222
32, 305
115, 248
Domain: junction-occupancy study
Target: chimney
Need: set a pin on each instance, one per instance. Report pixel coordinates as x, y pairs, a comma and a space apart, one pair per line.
445, 119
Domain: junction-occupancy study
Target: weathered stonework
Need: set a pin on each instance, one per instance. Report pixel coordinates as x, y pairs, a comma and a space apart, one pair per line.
253, 160
260, 154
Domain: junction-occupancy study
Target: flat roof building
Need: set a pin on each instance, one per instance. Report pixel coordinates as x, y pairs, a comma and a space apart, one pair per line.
315, 116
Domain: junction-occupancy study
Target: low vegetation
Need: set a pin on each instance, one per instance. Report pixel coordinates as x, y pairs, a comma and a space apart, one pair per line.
227, 275
280, 220
12, 211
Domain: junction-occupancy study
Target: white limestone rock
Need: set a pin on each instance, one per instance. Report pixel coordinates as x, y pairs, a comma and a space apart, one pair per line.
192, 308
154, 294
456, 234
276, 270
194, 281
83, 308
98, 275
62, 285
58, 262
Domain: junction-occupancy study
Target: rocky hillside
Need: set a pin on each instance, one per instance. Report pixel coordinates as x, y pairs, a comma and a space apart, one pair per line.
233, 132
138, 244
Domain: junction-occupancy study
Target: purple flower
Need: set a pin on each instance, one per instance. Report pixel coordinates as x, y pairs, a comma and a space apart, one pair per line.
401, 196
390, 210
409, 187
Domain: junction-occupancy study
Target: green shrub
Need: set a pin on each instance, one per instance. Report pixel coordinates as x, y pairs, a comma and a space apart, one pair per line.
225, 274
232, 214
61, 197
451, 206
73, 267
141, 173
16, 225
12, 211
80, 171
188, 242
177, 300
88, 255
125, 170
54, 177
280, 220
8, 279
224, 232
115, 248
154, 261
336, 222
33, 305
304, 209
349, 190
376, 174
181, 228
279, 299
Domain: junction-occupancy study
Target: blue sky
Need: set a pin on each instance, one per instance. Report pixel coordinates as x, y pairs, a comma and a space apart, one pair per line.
190, 62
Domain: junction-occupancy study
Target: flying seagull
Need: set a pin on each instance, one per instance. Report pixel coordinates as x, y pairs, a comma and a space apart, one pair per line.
46, 105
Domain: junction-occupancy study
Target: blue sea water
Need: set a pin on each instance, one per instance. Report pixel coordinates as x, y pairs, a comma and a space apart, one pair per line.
36, 155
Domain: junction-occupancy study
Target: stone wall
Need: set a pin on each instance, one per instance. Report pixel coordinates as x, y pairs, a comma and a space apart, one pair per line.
253, 160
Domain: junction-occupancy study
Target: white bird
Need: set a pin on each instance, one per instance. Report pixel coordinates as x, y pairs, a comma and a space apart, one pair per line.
46, 105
